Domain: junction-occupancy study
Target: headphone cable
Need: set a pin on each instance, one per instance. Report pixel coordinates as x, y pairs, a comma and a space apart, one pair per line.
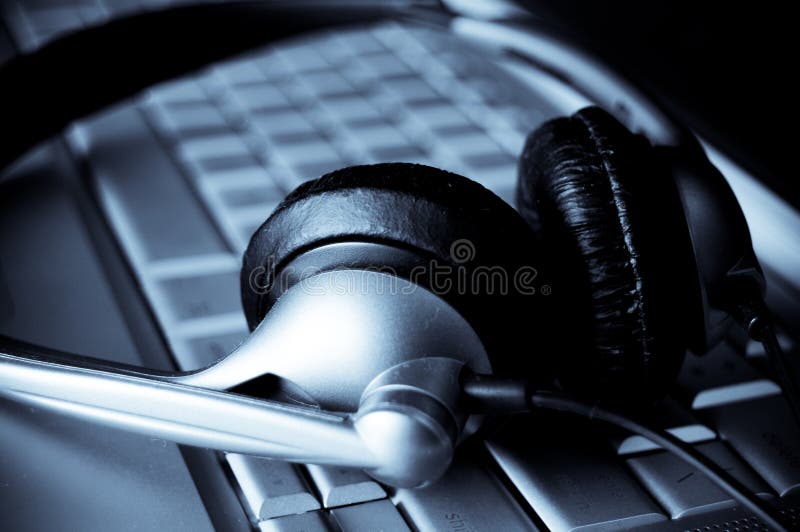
754, 318
490, 394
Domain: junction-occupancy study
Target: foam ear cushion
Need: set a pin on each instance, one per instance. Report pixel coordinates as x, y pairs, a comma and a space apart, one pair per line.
611, 219
426, 211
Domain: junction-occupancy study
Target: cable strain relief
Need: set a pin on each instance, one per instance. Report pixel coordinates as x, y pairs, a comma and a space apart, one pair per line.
752, 315
489, 394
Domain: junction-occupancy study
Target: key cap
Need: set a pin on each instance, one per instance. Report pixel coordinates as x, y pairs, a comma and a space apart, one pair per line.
359, 41
468, 497
249, 176
242, 72
380, 136
720, 376
412, 89
302, 57
185, 120
571, 480
673, 418
201, 296
49, 22
445, 119
219, 146
401, 153
307, 522
278, 123
489, 159
764, 433
180, 92
474, 142
149, 204
385, 65
313, 170
312, 150
370, 517
271, 488
327, 84
351, 108
342, 485
264, 194
682, 490
261, 97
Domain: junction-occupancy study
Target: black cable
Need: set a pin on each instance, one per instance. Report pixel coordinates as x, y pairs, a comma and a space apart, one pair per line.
668, 442
482, 393
763, 331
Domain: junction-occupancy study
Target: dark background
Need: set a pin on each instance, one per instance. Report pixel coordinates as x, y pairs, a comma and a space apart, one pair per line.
727, 70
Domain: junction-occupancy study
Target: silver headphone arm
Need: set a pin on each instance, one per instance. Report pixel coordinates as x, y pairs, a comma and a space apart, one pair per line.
162, 407
401, 435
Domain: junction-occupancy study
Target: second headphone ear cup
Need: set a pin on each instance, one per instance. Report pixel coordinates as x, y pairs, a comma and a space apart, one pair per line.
612, 222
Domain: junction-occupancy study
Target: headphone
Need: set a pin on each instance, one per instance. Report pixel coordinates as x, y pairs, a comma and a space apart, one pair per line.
392, 305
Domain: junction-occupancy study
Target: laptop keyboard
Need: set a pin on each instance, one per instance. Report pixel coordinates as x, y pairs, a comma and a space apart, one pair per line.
185, 174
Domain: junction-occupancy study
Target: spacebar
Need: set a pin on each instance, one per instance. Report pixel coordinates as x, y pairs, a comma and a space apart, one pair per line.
150, 205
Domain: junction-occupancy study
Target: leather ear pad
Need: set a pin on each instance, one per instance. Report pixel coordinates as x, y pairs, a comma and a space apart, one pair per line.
429, 212
612, 220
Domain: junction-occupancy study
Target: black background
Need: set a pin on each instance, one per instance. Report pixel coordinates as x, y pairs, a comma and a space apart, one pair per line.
727, 70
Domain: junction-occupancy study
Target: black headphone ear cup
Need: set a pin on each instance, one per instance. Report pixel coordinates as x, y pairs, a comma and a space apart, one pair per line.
439, 218
612, 221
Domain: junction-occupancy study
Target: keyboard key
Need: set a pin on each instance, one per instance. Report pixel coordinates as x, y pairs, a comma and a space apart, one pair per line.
351, 108
413, 89
378, 516
446, 119
265, 194
468, 497
192, 119
214, 147
380, 136
180, 92
682, 490
261, 97
570, 480
408, 154
49, 22
327, 84
360, 42
764, 433
279, 123
302, 58
314, 170
302, 153
490, 159
236, 177
385, 65
342, 485
673, 418
272, 488
201, 296
307, 522
149, 204
720, 376
240, 72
